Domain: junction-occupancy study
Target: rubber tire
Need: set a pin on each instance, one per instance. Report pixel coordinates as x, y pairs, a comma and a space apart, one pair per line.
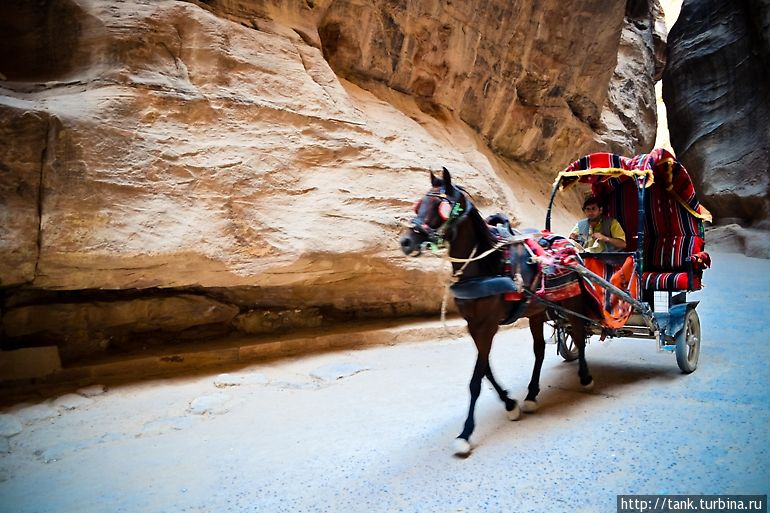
563, 340
688, 343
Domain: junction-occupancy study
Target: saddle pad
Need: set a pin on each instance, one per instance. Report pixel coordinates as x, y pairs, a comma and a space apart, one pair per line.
475, 288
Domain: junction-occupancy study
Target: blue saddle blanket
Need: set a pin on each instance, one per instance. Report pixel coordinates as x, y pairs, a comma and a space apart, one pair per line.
475, 288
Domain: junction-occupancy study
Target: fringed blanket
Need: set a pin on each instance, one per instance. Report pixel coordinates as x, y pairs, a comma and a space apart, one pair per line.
556, 283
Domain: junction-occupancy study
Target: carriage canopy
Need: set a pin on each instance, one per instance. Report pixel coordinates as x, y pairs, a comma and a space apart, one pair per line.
669, 203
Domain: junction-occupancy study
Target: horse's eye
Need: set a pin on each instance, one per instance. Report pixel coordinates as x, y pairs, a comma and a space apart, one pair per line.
417, 206
444, 210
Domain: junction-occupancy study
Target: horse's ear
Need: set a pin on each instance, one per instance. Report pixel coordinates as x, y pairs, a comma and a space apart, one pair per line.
448, 188
434, 181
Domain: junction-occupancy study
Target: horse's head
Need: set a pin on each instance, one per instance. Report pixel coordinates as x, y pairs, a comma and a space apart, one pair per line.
436, 214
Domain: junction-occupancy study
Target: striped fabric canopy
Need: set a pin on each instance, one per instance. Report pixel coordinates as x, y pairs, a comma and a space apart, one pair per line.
673, 216
607, 171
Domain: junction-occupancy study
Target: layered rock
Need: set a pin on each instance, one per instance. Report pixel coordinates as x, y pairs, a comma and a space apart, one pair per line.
717, 93
247, 164
630, 116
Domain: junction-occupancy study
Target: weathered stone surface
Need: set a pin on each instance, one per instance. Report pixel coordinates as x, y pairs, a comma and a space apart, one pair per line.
83, 328
264, 152
733, 237
29, 362
629, 118
142, 314
269, 321
92, 390
717, 93
9, 425
29, 414
211, 404
235, 380
335, 371
71, 401
523, 75
22, 151
165, 425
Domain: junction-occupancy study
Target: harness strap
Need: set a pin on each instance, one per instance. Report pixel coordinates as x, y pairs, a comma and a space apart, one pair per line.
485, 254
500, 245
556, 306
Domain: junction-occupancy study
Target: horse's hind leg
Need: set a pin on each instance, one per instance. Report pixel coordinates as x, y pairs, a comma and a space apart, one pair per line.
538, 347
579, 336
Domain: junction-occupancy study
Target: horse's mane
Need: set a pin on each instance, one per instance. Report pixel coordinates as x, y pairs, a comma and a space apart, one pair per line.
486, 238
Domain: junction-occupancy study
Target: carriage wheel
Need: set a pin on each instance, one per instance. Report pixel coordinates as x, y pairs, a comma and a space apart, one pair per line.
688, 343
566, 344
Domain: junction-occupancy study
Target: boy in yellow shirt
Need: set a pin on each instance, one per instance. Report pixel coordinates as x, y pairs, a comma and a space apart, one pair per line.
598, 233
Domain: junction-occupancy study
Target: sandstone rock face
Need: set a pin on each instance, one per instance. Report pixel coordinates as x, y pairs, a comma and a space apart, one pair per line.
630, 117
247, 165
717, 93
516, 72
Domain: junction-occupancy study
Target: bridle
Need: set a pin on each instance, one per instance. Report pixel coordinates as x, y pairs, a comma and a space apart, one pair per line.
450, 210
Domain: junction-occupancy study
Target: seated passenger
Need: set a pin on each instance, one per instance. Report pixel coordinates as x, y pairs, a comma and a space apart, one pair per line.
598, 233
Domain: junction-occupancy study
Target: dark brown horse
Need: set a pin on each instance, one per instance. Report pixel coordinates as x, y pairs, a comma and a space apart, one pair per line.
447, 214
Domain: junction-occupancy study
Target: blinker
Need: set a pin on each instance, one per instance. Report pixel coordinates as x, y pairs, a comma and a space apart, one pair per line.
445, 210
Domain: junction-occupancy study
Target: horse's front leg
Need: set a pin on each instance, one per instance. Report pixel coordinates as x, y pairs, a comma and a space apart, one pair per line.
511, 405
538, 347
462, 446
482, 329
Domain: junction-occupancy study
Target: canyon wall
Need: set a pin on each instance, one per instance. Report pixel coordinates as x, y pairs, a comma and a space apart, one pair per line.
171, 170
717, 93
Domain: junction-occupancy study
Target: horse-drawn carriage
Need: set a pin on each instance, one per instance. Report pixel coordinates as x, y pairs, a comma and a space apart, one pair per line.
500, 276
653, 198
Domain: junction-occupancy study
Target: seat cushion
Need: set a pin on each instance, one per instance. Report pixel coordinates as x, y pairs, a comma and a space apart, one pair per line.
671, 253
669, 281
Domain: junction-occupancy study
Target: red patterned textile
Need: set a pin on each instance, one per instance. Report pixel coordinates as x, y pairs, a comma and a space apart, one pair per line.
673, 226
669, 281
701, 260
613, 312
671, 253
673, 262
558, 289
556, 282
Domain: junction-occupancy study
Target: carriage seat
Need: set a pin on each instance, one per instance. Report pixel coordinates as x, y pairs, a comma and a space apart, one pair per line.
674, 263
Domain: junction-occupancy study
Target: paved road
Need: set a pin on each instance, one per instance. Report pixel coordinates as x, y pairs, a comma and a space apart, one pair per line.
371, 430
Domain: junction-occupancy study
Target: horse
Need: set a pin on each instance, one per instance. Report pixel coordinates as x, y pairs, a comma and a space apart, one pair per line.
446, 214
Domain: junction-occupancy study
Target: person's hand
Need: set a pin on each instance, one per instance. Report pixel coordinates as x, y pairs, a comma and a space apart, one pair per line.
599, 236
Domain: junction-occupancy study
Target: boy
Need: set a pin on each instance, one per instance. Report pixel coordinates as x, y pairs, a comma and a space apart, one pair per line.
598, 233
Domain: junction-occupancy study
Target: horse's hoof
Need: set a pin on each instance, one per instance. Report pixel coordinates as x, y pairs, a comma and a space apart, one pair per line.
588, 387
514, 413
529, 406
462, 447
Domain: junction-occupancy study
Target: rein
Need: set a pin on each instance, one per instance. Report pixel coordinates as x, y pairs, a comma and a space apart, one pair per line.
496, 247
438, 246
533, 259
